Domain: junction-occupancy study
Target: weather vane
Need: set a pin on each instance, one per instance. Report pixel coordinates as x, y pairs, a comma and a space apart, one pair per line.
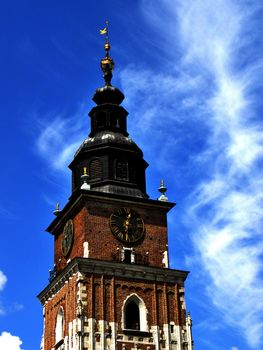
107, 63
105, 31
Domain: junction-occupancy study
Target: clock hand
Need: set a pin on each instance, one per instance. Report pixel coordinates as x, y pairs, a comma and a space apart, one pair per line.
127, 222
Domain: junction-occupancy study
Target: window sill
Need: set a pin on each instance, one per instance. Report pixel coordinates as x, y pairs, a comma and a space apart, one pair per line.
137, 332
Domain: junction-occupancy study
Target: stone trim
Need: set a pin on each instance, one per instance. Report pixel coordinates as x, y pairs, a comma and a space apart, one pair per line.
80, 196
92, 266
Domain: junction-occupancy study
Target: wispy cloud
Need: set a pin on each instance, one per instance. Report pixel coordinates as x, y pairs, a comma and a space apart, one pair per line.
59, 136
3, 280
9, 341
226, 206
5, 213
10, 308
158, 104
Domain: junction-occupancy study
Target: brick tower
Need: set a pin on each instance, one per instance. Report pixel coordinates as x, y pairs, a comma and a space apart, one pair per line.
111, 287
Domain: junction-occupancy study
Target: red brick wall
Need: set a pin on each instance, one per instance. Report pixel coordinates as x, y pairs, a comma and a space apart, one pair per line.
91, 224
65, 298
106, 296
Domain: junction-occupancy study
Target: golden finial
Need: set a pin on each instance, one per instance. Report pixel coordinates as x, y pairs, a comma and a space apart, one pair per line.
84, 171
107, 64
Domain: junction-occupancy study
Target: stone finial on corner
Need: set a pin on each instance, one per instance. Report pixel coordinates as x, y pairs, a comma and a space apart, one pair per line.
57, 210
189, 319
85, 178
162, 189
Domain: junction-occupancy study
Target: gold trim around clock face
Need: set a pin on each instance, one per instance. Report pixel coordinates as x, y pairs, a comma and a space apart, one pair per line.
127, 225
68, 237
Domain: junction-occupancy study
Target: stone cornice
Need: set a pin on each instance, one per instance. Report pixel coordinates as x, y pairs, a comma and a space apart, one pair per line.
129, 271
81, 196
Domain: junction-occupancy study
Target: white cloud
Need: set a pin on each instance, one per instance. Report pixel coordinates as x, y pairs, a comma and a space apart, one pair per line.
226, 207
163, 102
11, 308
2, 310
60, 136
3, 280
10, 342
7, 340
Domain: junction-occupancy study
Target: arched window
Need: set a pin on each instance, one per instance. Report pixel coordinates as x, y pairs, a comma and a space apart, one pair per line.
100, 119
60, 325
95, 169
134, 314
113, 119
121, 169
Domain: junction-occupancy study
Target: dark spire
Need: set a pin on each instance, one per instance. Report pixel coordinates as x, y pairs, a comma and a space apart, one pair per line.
115, 163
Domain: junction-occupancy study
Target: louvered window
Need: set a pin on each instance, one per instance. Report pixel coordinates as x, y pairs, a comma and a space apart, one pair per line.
95, 169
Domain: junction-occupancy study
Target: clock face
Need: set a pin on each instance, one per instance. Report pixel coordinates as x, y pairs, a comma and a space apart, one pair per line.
67, 238
127, 225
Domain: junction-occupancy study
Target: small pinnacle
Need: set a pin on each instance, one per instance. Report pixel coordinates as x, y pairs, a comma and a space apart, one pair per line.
57, 210
162, 189
79, 308
189, 319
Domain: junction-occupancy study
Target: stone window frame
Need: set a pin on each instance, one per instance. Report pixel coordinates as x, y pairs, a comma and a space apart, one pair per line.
60, 324
123, 256
142, 312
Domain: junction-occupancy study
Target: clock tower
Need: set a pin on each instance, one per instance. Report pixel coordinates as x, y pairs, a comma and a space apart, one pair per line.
112, 287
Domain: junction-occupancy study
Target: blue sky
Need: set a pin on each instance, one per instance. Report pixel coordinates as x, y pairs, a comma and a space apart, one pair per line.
192, 75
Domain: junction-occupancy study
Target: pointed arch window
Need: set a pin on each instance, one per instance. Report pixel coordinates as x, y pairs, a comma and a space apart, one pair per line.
134, 314
60, 325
